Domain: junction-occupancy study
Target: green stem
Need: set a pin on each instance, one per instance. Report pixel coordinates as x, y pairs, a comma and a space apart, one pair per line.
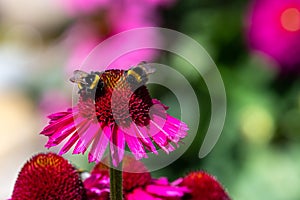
116, 182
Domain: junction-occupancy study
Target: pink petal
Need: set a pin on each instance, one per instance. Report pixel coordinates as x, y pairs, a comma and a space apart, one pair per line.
74, 138
86, 139
161, 181
134, 144
166, 191
139, 194
156, 101
58, 115
159, 138
53, 141
63, 132
142, 132
69, 144
51, 128
117, 146
173, 129
100, 143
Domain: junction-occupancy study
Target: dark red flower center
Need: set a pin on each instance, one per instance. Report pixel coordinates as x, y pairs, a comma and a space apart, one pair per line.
48, 176
116, 102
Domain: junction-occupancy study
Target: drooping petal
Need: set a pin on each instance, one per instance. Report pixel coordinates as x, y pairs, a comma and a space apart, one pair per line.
143, 136
173, 128
117, 145
100, 143
51, 128
86, 138
134, 144
58, 136
69, 144
59, 115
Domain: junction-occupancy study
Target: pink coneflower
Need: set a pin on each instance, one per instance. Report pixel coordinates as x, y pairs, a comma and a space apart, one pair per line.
48, 176
136, 186
203, 186
115, 108
273, 28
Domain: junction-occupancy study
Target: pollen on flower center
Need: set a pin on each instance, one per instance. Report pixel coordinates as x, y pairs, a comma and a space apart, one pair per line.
116, 102
290, 19
115, 109
48, 176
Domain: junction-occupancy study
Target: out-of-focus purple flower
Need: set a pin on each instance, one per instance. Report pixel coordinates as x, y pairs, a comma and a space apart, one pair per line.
273, 28
48, 176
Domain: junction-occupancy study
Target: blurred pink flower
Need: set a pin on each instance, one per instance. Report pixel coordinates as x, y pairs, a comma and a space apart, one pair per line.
77, 7
274, 29
82, 39
46, 104
108, 19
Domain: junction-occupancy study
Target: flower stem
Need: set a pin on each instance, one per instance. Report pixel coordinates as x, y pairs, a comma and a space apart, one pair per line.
116, 182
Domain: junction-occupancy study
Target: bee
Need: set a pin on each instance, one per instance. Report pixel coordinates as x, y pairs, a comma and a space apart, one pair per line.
138, 76
87, 82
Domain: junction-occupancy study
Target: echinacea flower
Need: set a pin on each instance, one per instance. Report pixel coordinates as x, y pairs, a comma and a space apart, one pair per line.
136, 186
48, 176
203, 186
274, 29
112, 110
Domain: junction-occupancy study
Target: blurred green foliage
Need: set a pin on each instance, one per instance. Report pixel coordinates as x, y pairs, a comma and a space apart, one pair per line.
256, 155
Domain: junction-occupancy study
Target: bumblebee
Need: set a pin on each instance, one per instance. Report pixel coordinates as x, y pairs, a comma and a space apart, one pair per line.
86, 82
90, 84
138, 76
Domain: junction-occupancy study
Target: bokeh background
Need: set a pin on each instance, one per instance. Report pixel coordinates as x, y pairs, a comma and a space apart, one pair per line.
255, 44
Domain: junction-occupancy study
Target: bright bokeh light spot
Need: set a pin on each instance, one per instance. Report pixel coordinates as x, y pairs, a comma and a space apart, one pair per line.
257, 124
290, 19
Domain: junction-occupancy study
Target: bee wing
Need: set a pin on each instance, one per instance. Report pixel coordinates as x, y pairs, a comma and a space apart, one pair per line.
146, 67
78, 77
